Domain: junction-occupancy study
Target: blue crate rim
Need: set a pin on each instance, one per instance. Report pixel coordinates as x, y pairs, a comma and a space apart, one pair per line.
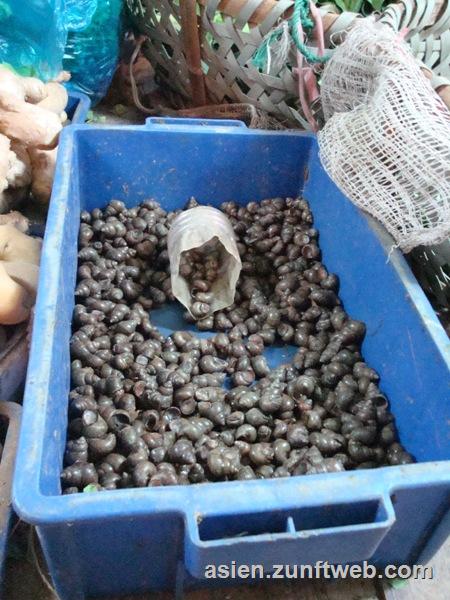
82, 107
287, 494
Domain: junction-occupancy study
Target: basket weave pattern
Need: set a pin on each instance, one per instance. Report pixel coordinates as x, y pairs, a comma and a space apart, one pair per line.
229, 43
227, 49
160, 21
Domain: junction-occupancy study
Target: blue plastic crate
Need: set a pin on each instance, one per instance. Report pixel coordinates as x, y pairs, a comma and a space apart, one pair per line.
14, 358
126, 541
78, 107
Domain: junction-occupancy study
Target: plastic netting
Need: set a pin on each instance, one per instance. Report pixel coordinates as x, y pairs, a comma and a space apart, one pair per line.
386, 142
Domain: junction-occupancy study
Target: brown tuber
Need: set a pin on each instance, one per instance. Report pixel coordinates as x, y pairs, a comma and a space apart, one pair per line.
19, 272
31, 117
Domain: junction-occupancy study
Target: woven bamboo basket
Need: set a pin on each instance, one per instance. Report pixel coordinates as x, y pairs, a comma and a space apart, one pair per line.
202, 50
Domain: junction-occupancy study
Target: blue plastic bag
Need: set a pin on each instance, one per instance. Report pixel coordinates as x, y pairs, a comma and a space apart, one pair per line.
79, 13
92, 52
32, 36
43, 37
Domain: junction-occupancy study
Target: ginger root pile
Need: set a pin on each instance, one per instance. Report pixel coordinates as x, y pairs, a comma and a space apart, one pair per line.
19, 269
32, 114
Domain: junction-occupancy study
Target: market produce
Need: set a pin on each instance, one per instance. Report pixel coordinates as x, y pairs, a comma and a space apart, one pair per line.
31, 118
19, 270
15, 218
21, 118
56, 99
150, 410
43, 163
15, 301
15, 172
17, 246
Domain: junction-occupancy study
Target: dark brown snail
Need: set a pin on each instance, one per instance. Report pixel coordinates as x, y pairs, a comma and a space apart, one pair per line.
147, 409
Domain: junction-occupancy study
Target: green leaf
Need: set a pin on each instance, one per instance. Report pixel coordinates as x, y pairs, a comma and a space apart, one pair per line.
342, 4
90, 488
377, 4
355, 5
93, 117
398, 583
120, 110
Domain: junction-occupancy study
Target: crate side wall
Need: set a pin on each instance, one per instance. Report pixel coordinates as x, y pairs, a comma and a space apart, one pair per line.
398, 344
213, 167
56, 297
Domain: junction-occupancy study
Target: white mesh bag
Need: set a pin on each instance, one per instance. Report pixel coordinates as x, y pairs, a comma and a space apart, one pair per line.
386, 142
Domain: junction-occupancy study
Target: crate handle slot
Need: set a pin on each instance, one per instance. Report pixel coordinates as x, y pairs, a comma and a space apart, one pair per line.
198, 122
337, 533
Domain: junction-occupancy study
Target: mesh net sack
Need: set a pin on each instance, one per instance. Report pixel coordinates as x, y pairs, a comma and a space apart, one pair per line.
386, 142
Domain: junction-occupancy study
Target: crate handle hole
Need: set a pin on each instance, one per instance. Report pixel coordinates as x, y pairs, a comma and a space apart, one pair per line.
293, 521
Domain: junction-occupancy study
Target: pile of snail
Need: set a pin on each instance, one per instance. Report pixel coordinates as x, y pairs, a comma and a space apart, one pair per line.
150, 410
200, 268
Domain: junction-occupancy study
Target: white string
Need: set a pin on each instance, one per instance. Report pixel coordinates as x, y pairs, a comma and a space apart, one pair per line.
34, 556
278, 51
386, 142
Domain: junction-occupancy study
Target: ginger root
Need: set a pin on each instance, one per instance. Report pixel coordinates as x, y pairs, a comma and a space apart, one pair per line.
32, 114
43, 166
30, 125
19, 174
24, 121
19, 270
26, 89
35, 89
25, 274
44, 161
16, 219
15, 302
16, 246
5, 146
56, 98
15, 173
